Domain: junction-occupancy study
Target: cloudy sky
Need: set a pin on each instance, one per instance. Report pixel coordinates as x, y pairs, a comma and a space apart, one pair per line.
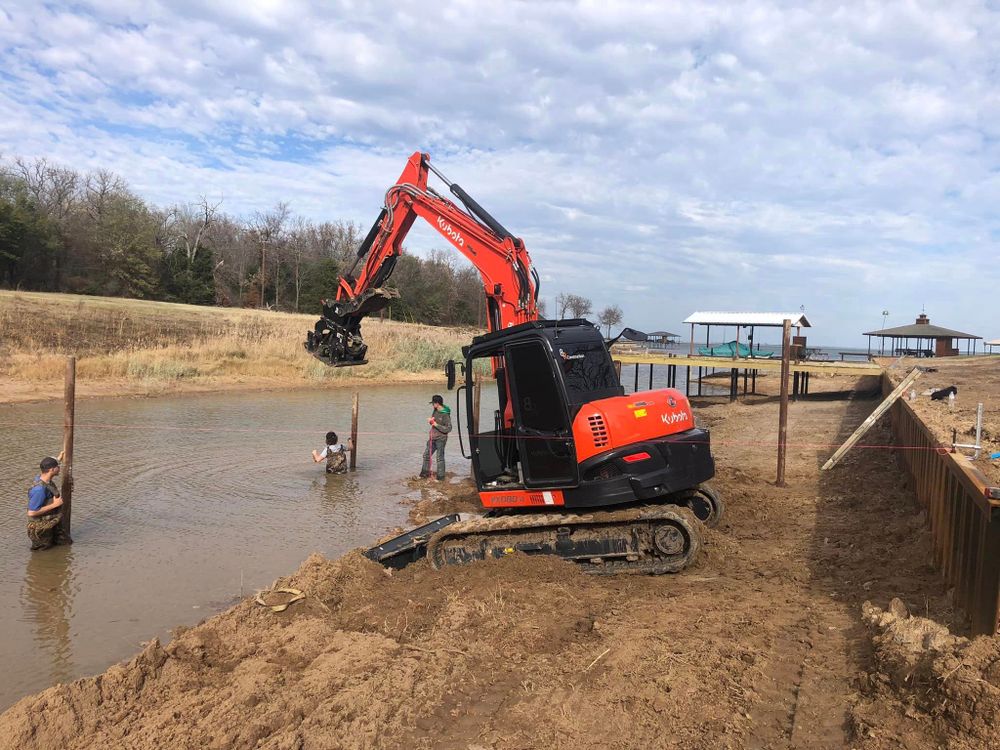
668, 157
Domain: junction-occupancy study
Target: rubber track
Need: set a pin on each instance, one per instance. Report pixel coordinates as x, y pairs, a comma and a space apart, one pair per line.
551, 520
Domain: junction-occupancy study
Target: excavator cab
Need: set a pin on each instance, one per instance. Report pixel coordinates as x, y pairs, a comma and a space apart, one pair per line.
553, 426
521, 434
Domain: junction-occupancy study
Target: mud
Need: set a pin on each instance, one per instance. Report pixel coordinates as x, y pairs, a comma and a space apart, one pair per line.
767, 643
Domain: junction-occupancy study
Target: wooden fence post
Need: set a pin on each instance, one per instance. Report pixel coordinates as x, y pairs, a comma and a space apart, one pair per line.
354, 433
786, 340
69, 397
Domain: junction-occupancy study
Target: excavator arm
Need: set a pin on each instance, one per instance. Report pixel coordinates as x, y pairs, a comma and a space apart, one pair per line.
510, 283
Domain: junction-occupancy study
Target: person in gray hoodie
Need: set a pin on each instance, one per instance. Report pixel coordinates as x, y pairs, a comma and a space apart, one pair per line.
440, 423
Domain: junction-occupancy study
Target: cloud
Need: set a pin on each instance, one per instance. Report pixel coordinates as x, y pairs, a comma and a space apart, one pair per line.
664, 157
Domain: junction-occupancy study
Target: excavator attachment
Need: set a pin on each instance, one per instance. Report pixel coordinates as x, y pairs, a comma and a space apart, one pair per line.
336, 338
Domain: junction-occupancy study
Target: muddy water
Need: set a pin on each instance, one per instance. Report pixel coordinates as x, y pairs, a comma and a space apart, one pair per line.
181, 503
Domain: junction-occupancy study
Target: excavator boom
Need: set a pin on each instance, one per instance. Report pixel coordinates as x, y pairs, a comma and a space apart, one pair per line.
510, 283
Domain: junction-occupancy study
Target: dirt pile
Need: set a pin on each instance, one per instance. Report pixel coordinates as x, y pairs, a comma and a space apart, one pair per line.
415, 659
927, 683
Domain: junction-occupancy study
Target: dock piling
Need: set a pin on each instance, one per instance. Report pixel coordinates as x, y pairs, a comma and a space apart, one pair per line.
69, 398
354, 433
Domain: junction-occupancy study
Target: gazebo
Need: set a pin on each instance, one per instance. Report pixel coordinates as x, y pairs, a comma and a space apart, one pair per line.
922, 339
991, 343
662, 339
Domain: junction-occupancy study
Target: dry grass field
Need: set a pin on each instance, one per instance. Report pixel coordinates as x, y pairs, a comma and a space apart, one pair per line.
135, 346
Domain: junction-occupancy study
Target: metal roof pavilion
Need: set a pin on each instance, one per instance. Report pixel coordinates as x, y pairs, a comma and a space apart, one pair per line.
925, 334
920, 330
746, 319
749, 320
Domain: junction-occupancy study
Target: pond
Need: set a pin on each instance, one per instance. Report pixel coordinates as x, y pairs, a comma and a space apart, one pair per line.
182, 504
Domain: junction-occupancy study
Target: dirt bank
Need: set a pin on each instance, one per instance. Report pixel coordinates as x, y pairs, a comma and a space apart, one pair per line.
130, 347
978, 381
763, 645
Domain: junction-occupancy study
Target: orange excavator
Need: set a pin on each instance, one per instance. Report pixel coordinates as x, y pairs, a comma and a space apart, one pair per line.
564, 462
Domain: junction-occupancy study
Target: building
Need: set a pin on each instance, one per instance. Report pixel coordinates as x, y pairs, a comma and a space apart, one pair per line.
662, 339
922, 339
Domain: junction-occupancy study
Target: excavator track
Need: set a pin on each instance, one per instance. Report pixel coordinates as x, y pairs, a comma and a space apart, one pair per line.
651, 540
704, 501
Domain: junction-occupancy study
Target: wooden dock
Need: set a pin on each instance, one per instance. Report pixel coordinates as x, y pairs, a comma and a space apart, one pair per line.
746, 368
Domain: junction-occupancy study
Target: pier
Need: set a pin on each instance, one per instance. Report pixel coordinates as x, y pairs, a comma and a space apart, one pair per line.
750, 367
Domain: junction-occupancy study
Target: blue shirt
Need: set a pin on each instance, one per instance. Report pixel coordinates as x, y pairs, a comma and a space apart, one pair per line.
39, 495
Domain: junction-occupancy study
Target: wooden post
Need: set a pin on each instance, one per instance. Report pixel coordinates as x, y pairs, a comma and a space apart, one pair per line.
783, 408
67, 467
354, 433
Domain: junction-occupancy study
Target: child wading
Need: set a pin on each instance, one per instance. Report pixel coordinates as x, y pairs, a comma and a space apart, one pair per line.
334, 453
440, 422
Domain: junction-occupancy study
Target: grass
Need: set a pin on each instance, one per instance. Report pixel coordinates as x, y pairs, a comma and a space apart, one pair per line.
158, 342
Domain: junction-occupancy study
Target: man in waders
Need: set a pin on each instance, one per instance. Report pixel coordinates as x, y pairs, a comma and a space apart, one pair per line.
440, 422
334, 453
44, 502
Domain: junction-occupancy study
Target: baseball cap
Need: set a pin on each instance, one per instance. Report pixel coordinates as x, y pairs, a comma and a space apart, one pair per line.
437, 400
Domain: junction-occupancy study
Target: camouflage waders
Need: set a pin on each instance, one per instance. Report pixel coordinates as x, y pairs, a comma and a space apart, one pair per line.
42, 530
336, 463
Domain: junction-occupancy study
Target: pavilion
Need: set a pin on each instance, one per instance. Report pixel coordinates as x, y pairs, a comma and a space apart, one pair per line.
747, 320
662, 339
922, 339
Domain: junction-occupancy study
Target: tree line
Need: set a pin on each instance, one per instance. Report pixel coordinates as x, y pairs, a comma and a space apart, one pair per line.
88, 233
62, 230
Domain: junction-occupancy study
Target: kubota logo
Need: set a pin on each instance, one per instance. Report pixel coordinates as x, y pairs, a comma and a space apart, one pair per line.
454, 234
680, 416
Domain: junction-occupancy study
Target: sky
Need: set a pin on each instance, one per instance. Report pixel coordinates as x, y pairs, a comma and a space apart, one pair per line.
666, 157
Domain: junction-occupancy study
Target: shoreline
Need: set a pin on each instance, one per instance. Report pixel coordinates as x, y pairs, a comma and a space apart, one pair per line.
17, 392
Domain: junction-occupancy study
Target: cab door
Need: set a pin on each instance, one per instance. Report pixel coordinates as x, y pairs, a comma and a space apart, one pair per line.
543, 431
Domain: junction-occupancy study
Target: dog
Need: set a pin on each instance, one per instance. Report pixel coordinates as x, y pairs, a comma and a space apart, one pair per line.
944, 393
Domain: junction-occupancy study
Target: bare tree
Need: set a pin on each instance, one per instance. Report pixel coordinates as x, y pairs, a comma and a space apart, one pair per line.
574, 304
53, 188
610, 316
299, 243
188, 225
268, 228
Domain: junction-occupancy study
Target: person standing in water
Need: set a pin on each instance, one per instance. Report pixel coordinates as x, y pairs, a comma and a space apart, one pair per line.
44, 502
334, 453
440, 422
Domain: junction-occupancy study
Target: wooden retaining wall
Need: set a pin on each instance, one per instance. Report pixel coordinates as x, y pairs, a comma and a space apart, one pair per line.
963, 513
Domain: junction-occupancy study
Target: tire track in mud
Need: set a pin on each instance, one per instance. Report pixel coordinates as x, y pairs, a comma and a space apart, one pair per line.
803, 695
